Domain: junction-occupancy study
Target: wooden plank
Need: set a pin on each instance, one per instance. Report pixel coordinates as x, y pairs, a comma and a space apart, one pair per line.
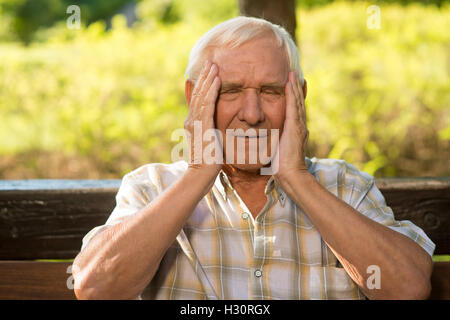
50, 224
51, 280
47, 219
59, 184
440, 281
29, 280
423, 201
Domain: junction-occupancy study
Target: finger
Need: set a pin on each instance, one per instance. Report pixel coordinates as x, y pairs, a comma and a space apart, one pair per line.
303, 105
299, 94
294, 87
204, 84
295, 93
291, 104
209, 80
203, 74
211, 97
299, 85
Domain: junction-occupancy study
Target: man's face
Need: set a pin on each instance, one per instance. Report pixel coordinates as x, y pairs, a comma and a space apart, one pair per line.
253, 77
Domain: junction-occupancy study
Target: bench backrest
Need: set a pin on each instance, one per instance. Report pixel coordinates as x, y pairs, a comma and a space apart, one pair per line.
46, 219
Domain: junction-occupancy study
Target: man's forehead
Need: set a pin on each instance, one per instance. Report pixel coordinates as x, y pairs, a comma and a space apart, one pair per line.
242, 79
234, 74
237, 64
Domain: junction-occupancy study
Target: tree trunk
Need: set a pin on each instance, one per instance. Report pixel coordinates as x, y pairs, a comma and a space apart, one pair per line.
281, 12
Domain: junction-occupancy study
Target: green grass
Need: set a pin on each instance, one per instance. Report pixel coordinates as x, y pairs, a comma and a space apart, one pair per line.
54, 260
441, 258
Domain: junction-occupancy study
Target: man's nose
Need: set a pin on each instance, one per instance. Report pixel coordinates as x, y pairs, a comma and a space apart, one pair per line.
251, 109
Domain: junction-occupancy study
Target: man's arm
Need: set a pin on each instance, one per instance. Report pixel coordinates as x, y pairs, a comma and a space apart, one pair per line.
356, 240
120, 261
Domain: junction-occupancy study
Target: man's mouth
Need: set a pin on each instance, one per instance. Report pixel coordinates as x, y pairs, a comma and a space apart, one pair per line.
250, 136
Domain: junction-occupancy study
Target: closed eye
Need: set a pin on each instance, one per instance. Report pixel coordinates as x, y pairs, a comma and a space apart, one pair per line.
272, 90
234, 90
269, 91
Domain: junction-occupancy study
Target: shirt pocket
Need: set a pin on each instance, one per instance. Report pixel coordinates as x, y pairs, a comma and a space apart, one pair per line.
332, 283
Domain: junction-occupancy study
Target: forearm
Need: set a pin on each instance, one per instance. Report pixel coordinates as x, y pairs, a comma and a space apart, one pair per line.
119, 262
359, 242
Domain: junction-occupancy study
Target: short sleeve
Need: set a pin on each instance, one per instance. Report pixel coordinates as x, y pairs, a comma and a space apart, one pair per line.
132, 196
373, 205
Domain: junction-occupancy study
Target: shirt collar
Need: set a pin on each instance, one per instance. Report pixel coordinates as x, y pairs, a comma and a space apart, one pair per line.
279, 193
222, 183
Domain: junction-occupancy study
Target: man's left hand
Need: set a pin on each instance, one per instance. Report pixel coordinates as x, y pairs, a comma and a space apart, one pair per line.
293, 141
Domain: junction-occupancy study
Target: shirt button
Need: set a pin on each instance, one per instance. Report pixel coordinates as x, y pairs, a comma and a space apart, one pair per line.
245, 215
258, 273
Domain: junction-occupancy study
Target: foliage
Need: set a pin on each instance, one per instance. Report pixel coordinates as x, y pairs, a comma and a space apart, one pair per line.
377, 98
316, 3
112, 96
21, 19
26, 17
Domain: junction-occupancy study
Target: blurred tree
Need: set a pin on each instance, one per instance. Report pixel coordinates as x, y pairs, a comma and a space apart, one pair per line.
30, 15
281, 12
315, 3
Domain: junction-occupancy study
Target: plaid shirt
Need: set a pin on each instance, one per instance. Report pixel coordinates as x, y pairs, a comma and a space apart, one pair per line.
223, 252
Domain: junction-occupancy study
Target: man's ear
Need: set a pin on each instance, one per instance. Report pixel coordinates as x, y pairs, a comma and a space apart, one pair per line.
304, 89
188, 88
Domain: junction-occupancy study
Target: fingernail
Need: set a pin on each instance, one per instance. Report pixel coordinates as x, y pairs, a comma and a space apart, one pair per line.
205, 65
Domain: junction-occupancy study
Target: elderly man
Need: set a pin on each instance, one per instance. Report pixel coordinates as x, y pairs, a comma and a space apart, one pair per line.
313, 229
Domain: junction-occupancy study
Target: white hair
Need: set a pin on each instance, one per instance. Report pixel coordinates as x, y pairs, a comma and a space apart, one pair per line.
237, 31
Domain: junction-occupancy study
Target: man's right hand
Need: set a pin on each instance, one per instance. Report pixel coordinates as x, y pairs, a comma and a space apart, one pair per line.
112, 266
201, 111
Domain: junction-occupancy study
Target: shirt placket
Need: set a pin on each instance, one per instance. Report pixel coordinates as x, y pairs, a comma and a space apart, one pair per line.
257, 230
259, 255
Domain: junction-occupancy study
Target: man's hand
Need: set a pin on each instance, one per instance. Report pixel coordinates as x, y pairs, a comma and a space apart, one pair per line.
201, 111
293, 141
397, 256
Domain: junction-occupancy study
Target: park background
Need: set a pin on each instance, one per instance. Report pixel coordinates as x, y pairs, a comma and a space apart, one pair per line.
102, 100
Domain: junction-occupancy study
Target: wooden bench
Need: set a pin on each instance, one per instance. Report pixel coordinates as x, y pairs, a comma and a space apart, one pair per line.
46, 219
